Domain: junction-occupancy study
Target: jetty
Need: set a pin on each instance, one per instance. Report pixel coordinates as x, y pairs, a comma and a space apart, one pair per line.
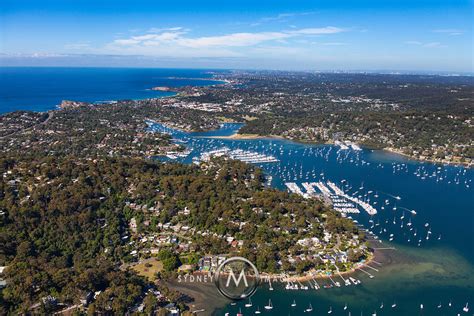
238, 154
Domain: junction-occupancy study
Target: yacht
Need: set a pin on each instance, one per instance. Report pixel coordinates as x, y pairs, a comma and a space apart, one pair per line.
293, 304
249, 304
309, 309
466, 308
269, 306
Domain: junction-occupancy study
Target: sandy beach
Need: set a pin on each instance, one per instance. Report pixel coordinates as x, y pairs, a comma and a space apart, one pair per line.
205, 296
246, 136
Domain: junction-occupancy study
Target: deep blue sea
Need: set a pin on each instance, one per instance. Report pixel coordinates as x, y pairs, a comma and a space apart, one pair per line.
42, 89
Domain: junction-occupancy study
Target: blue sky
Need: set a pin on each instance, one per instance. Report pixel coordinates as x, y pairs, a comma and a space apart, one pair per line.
310, 35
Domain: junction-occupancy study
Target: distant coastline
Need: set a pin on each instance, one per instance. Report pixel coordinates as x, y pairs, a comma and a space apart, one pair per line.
41, 89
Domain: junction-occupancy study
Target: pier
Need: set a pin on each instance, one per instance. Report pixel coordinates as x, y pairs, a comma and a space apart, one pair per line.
238, 154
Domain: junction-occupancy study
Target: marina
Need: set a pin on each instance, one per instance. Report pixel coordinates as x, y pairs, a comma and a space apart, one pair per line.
237, 154
380, 192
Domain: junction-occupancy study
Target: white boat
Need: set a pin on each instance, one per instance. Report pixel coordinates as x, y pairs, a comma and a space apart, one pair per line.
466, 308
355, 281
309, 309
249, 304
258, 310
269, 306
345, 306
330, 310
421, 306
394, 305
293, 304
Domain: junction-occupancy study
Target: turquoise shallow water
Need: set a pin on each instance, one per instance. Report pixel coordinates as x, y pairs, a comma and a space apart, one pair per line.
439, 270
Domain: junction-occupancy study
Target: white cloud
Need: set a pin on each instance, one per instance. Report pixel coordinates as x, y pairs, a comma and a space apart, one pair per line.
126, 42
173, 29
451, 32
34, 55
425, 44
432, 44
317, 31
177, 37
282, 17
233, 40
413, 43
77, 46
334, 44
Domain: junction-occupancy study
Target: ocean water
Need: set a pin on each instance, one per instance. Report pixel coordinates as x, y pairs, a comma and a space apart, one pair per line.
432, 272
42, 89
438, 271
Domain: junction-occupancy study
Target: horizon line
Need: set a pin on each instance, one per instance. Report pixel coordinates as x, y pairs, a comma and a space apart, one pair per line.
322, 71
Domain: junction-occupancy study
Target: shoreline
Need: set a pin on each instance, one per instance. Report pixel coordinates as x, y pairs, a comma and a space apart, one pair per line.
238, 136
205, 298
244, 136
399, 152
319, 276
57, 107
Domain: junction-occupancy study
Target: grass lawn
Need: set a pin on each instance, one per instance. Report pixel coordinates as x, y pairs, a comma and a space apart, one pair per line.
148, 268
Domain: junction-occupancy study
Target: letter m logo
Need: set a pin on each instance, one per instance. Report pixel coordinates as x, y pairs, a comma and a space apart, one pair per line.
236, 281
